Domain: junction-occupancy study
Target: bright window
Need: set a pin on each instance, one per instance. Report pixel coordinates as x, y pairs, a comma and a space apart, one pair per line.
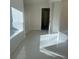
16, 22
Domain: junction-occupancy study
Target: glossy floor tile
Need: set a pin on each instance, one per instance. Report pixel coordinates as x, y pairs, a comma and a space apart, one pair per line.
30, 48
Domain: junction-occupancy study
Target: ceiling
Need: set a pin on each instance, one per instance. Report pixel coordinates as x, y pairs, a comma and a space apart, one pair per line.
38, 1
34, 1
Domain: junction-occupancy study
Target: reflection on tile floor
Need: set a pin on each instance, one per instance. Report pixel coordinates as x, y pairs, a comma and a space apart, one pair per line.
61, 49
12, 31
54, 45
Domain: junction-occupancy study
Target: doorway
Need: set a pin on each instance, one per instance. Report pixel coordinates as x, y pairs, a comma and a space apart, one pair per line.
45, 18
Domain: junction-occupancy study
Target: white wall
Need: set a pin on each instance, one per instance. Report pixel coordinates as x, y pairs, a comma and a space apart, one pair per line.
15, 41
18, 4
64, 16
58, 16
33, 15
51, 5
55, 9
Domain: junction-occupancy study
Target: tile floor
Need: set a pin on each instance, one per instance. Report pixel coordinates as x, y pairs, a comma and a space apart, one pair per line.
30, 48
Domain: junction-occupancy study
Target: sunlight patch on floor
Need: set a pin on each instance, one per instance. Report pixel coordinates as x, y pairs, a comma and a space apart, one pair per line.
50, 40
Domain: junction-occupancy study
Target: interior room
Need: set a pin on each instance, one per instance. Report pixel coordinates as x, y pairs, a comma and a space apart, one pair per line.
39, 29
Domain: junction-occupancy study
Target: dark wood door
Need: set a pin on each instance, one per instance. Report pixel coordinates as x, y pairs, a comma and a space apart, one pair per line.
45, 18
